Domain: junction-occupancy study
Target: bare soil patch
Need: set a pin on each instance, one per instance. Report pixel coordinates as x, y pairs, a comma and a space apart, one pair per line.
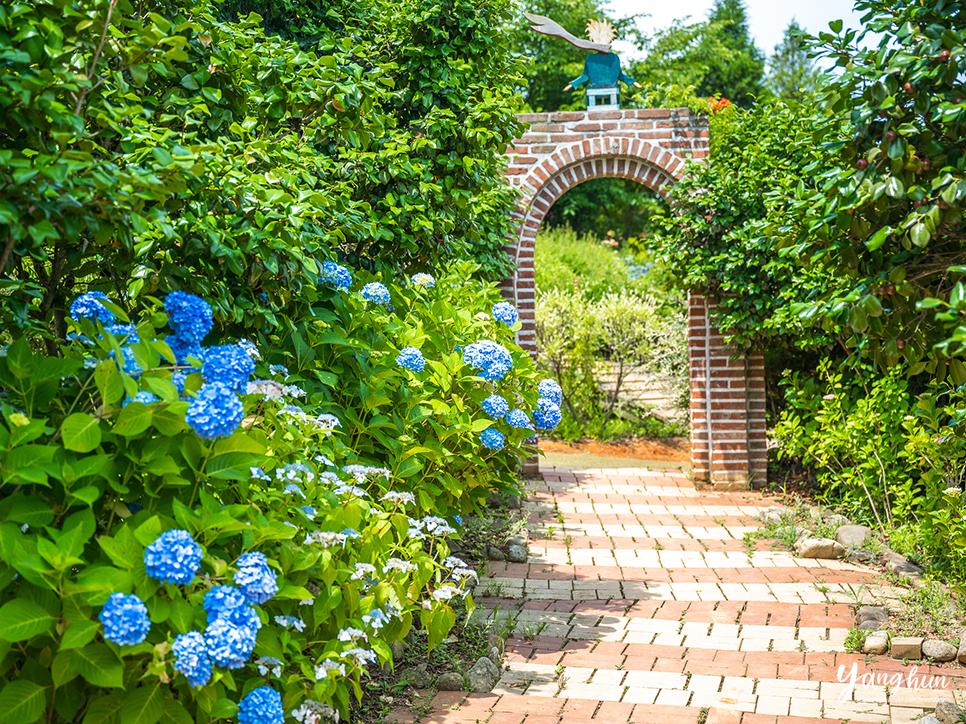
673, 449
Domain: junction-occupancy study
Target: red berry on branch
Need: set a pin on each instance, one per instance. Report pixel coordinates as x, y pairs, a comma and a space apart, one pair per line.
943, 56
900, 343
908, 88
862, 164
890, 136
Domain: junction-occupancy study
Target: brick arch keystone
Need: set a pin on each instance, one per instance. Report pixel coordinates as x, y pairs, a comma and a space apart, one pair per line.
650, 146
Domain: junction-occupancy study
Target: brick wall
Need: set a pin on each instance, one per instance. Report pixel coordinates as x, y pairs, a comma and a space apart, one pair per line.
650, 146
727, 405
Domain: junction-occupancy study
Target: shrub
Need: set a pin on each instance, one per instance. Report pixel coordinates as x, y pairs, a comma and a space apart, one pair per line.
564, 261
327, 502
577, 338
888, 451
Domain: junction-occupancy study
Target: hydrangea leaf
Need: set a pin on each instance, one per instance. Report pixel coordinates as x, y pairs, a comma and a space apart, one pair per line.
21, 619
22, 702
81, 432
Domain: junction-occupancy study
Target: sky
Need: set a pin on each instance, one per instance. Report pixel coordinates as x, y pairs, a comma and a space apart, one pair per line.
767, 19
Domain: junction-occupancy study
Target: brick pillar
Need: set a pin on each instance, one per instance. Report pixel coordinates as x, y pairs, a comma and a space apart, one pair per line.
727, 406
757, 425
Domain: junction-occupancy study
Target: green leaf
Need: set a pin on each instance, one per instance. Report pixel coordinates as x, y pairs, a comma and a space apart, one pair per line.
81, 432
920, 234
79, 633
22, 702
143, 706
878, 238
61, 671
103, 710
108, 381
29, 509
182, 615
21, 619
134, 419
174, 711
169, 419
99, 665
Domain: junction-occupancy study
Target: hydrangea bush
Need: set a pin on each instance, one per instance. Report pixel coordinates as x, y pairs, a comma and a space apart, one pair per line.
200, 528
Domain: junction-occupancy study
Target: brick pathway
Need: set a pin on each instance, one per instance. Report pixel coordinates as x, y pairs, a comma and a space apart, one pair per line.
643, 604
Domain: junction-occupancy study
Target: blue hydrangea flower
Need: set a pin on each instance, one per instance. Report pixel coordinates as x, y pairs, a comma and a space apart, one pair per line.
215, 412
459, 520
336, 275
423, 280
261, 706
231, 639
255, 578
492, 439
188, 315
506, 313
518, 418
547, 415
376, 292
144, 397
130, 365
178, 379
191, 658
87, 306
125, 620
229, 364
127, 332
173, 558
294, 489
309, 511
220, 601
182, 350
550, 390
412, 359
492, 360
495, 406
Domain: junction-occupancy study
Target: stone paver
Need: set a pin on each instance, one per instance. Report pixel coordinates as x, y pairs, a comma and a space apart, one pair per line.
643, 602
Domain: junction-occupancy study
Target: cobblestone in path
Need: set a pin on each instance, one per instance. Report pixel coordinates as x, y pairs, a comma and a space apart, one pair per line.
643, 603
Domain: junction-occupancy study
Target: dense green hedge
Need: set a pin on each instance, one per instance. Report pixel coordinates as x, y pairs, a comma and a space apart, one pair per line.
179, 150
347, 471
329, 418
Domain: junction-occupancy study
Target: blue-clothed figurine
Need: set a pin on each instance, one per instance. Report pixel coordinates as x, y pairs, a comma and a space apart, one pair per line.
602, 69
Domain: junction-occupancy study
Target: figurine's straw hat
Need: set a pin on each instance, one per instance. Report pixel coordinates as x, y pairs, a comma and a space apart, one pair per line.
601, 31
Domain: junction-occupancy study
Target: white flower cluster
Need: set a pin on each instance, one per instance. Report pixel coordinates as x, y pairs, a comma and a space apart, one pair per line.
313, 712
362, 472
362, 570
398, 564
326, 539
430, 525
323, 670
446, 592
398, 497
269, 663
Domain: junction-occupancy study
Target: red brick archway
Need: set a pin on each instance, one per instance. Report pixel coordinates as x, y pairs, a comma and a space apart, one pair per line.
650, 146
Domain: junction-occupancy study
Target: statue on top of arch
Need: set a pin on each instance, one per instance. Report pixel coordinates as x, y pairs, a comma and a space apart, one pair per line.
602, 69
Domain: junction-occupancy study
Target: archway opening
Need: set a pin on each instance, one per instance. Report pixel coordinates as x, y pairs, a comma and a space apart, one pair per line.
608, 324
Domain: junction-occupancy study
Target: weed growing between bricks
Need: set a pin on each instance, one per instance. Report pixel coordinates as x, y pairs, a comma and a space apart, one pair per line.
386, 690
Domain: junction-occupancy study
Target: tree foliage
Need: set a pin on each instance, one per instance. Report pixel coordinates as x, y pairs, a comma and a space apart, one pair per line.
178, 149
737, 73
792, 74
886, 215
